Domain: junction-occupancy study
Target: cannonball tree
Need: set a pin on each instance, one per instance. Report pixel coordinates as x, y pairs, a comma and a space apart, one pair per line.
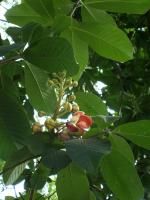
57, 128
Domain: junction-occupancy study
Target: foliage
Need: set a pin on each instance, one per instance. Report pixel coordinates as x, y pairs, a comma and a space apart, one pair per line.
58, 51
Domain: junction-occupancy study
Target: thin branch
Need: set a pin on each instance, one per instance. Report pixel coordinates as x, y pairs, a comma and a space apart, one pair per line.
19, 163
2, 20
21, 196
31, 195
9, 60
74, 8
51, 195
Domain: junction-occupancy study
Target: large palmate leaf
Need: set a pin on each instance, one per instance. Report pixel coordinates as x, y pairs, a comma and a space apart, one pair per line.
52, 55
15, 165
87, 153
14, 126
23, 14
121, 6
138, 132
107, 40
42, 97
74, 178
91, 104
119, 171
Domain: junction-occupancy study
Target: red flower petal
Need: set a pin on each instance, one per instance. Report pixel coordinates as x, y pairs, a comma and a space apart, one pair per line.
86, 119
71, 127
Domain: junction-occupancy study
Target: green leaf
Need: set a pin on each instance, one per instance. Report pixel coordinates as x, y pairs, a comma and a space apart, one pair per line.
15, 33
39, 177
62, 6
107, 40
138, 132
119, 171
87, 153
23, 14
92, 196
74, 178
15, 165
14, 125
32, 32
90, 14
42, 97
10, 48
44, 8
121, 6
91, 104
52, 55
80, 48
6, 84
55, 159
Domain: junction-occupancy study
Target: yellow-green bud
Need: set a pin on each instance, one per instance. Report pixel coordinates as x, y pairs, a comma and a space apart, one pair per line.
54, 74
67, 106
41, 113
55, 81
50, 83
50, 123
62, 74
69, 82
75, 108
36, 128
75, 84
72, 98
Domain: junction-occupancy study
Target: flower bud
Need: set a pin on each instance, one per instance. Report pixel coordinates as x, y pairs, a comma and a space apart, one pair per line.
68, 82
50, 123
75, 108
55, 81
50, 83
67, 106
41, 113
36, 128
75, 84
62, 74
72, 98
54, 74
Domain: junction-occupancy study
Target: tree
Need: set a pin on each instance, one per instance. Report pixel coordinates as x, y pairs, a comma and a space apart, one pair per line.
57, 53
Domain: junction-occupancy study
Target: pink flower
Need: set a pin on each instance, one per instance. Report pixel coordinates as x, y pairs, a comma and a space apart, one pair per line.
79, 122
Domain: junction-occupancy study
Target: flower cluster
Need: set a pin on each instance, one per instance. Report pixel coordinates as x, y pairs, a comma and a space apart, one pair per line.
65, 104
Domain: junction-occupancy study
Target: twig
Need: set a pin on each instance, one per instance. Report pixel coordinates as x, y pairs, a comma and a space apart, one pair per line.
9, 60
31, 194
19, 164
4, 20
51, 195
58, 103
74, 8
21, 196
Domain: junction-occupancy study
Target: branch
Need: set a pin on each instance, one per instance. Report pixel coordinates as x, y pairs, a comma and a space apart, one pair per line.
15, 165
74, 8
9, 60
31, 195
